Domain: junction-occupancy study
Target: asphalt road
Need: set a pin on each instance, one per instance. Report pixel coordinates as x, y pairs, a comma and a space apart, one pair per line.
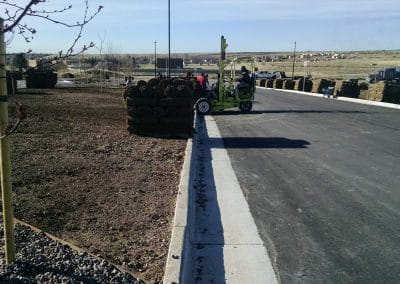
322, 179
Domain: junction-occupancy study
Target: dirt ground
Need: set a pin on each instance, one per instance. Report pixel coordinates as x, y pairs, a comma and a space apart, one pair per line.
80, 176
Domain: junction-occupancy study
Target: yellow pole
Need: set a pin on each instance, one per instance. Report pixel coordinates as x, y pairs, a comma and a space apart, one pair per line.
5, 160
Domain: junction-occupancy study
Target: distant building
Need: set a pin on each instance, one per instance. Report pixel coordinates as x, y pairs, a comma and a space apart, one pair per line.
176, 63
338, 56
59, 64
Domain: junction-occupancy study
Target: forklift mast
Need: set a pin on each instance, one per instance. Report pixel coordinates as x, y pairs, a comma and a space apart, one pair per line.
221, 85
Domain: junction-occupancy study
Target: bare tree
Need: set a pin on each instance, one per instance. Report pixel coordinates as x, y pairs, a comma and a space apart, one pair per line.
15, 17
102, 78
13, 22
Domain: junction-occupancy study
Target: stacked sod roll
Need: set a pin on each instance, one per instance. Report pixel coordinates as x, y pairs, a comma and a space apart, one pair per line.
161, 108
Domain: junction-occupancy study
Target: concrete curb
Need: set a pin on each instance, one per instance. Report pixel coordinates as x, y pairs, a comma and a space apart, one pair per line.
179, 251
358, 101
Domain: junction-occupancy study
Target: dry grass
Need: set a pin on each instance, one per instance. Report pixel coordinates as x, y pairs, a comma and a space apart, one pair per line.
356, 66
344, 69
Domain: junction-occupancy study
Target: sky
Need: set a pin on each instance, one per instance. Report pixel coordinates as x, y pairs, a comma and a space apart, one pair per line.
133, 26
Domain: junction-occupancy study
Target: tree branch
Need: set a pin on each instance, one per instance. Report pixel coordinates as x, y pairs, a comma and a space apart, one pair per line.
22, 15
17, 13
27, 11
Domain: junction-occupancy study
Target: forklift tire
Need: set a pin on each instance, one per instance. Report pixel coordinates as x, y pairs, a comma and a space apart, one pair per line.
246, 106
203, 106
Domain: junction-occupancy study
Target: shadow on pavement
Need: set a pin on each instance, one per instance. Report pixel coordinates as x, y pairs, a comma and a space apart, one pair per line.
234, 112
258, 143
207, 238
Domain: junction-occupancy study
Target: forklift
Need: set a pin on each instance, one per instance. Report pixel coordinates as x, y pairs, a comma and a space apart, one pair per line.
228, 94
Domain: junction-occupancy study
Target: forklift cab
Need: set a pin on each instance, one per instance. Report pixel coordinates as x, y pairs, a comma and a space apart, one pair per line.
229, 93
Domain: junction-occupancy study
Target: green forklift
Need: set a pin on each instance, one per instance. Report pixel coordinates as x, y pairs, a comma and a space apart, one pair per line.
229, 93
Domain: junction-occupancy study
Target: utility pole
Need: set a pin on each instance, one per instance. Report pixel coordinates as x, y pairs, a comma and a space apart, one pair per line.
294, 59
155, 59
5, 160
305, 74
169, 39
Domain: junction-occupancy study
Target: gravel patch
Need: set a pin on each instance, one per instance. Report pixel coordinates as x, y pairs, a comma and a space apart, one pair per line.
41, 259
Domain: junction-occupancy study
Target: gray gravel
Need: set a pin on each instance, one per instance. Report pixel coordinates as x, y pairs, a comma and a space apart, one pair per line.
40, 259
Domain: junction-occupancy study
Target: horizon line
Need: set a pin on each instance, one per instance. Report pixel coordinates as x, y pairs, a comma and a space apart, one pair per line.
217, 52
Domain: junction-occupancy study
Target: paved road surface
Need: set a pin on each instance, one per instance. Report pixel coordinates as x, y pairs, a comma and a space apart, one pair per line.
322, 178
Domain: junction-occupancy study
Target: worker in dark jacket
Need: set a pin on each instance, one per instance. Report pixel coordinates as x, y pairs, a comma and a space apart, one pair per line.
245, 75
244, 81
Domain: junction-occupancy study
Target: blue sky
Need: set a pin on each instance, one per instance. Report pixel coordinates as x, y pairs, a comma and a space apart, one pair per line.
132, 26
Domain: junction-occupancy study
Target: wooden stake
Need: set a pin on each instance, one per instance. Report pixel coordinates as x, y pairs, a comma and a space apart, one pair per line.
5, 160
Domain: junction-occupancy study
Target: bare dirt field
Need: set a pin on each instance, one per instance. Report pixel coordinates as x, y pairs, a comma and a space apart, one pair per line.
80, 176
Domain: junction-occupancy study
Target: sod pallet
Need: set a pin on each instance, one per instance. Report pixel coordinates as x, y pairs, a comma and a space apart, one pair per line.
160, 108
349, 89
40, 79
301, 85
391, 93
364, 91
278, 84
263, 82
289, 84
384, 92
320, 84
338, 86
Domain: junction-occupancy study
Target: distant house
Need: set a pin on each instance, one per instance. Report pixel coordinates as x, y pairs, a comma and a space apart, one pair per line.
32, 63
59, 64
338, 56
306, 55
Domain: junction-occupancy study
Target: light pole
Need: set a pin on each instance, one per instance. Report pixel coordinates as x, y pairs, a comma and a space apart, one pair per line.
305, 74
169, 38
155, 59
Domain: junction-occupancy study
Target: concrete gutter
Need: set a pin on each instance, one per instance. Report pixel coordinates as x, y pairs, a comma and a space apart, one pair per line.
208, 243
226, 245
358, 101
179, 252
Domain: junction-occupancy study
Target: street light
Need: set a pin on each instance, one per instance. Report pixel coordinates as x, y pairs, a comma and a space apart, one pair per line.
169, 38
155, 59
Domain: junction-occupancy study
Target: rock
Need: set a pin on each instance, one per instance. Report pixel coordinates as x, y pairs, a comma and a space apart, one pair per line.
41, 258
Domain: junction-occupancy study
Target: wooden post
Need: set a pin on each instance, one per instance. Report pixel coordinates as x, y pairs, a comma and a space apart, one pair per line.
5, 160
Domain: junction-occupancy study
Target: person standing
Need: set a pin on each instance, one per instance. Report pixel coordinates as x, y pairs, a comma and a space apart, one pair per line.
129, 81
202, 80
